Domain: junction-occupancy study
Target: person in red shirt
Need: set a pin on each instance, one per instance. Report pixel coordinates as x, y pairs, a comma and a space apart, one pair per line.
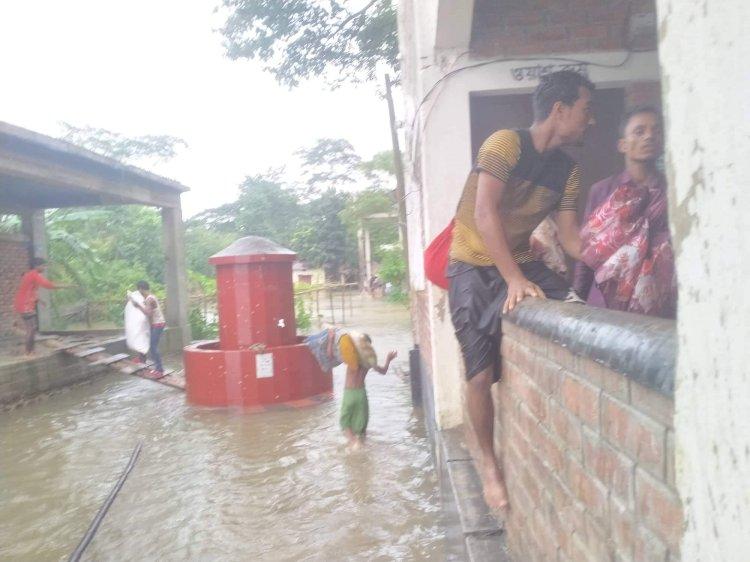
27, 297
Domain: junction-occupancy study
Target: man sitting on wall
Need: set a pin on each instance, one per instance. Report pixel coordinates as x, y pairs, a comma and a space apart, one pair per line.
626, 256
520, 177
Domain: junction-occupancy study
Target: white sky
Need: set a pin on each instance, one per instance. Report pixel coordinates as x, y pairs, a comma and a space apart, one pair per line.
157, 67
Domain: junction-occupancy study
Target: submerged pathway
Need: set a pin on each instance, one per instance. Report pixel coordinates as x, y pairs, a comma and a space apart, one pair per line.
217, 484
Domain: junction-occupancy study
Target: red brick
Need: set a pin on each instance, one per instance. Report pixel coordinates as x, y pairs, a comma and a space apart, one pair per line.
563, 357
577, 550
622, 527
566, 427
541, 472
529, 393
552, 451
533, 342
670, 460
571, 510
654, 404
506, 403
528, 424
588, 490
613, 469
640, 437
649, 548
560, 530
580, 398
659, 508
547, 375
541, 536
597, 541
531, 486
615, 384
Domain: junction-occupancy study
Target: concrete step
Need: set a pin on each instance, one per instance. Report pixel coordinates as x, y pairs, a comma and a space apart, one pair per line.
112, 359
483, 537
88, 351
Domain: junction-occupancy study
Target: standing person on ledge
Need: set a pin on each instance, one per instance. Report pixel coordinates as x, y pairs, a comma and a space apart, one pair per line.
520, 177
626, 258
27, 296
152, 309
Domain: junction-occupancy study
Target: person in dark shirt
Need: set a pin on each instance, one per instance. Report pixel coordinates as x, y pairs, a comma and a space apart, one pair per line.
626, 255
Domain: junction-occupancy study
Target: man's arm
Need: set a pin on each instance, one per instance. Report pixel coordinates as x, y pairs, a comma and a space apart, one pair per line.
487, 215
568, 233
384, 369
42, 281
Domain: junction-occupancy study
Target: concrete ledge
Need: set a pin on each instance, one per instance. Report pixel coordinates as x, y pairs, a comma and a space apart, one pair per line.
28, 379
639, 347
474, 533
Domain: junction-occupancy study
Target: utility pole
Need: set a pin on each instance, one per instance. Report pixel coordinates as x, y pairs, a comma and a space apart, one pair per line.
398, 167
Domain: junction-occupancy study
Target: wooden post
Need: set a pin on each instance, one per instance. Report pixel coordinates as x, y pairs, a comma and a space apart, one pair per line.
330, 302
343, 307
400, 182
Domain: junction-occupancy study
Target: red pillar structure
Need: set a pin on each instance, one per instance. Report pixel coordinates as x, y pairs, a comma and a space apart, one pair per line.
259, 359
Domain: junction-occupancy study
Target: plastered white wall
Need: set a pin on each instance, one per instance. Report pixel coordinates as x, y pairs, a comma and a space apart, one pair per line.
704, 52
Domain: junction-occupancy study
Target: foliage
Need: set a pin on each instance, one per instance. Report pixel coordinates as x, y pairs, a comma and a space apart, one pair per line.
104, 251
320, 239
154, 148
302, 316
200, 244
393, 270
364, 204
10, 223
301, 39
328, 164
200, 327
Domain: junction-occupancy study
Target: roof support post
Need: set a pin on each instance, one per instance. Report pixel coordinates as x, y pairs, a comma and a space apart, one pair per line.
34, 227
178, 329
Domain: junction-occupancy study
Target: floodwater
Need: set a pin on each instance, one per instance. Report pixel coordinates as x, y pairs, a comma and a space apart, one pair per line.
221, 485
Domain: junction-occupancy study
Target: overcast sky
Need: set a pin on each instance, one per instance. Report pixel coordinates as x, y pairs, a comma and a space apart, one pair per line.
158, 67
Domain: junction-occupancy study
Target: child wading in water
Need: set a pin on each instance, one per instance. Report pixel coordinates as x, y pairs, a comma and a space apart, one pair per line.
332, 347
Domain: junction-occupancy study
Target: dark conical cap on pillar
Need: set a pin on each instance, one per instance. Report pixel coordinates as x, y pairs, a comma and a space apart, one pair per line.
252, 249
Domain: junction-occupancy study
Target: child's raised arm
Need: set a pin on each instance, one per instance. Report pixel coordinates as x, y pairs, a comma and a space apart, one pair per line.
384, 369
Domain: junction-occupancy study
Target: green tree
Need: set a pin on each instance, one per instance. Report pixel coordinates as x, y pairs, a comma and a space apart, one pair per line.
300, 39
265, 208
321, 238
328, 164
153, 148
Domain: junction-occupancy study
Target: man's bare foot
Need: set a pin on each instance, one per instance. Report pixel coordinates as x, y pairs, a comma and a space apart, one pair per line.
493, 487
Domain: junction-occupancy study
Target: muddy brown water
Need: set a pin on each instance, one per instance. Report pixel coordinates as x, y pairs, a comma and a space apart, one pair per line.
220, 484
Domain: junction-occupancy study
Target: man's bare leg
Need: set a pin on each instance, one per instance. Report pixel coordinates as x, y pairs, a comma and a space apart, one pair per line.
482, 414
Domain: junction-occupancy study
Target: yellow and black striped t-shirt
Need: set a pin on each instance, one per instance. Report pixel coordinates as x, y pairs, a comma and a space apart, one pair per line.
536, 184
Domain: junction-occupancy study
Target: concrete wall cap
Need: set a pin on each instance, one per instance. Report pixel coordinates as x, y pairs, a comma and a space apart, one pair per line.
642, 348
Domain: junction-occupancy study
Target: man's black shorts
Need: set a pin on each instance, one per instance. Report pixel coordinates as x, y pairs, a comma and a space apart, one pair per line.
476, 296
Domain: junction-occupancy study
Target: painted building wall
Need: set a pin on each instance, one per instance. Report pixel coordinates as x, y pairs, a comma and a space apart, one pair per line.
704, 52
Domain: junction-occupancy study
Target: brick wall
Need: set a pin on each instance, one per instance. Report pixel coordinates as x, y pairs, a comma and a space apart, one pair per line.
421, 319
588, 455
643, 93
528, 27
14, 261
